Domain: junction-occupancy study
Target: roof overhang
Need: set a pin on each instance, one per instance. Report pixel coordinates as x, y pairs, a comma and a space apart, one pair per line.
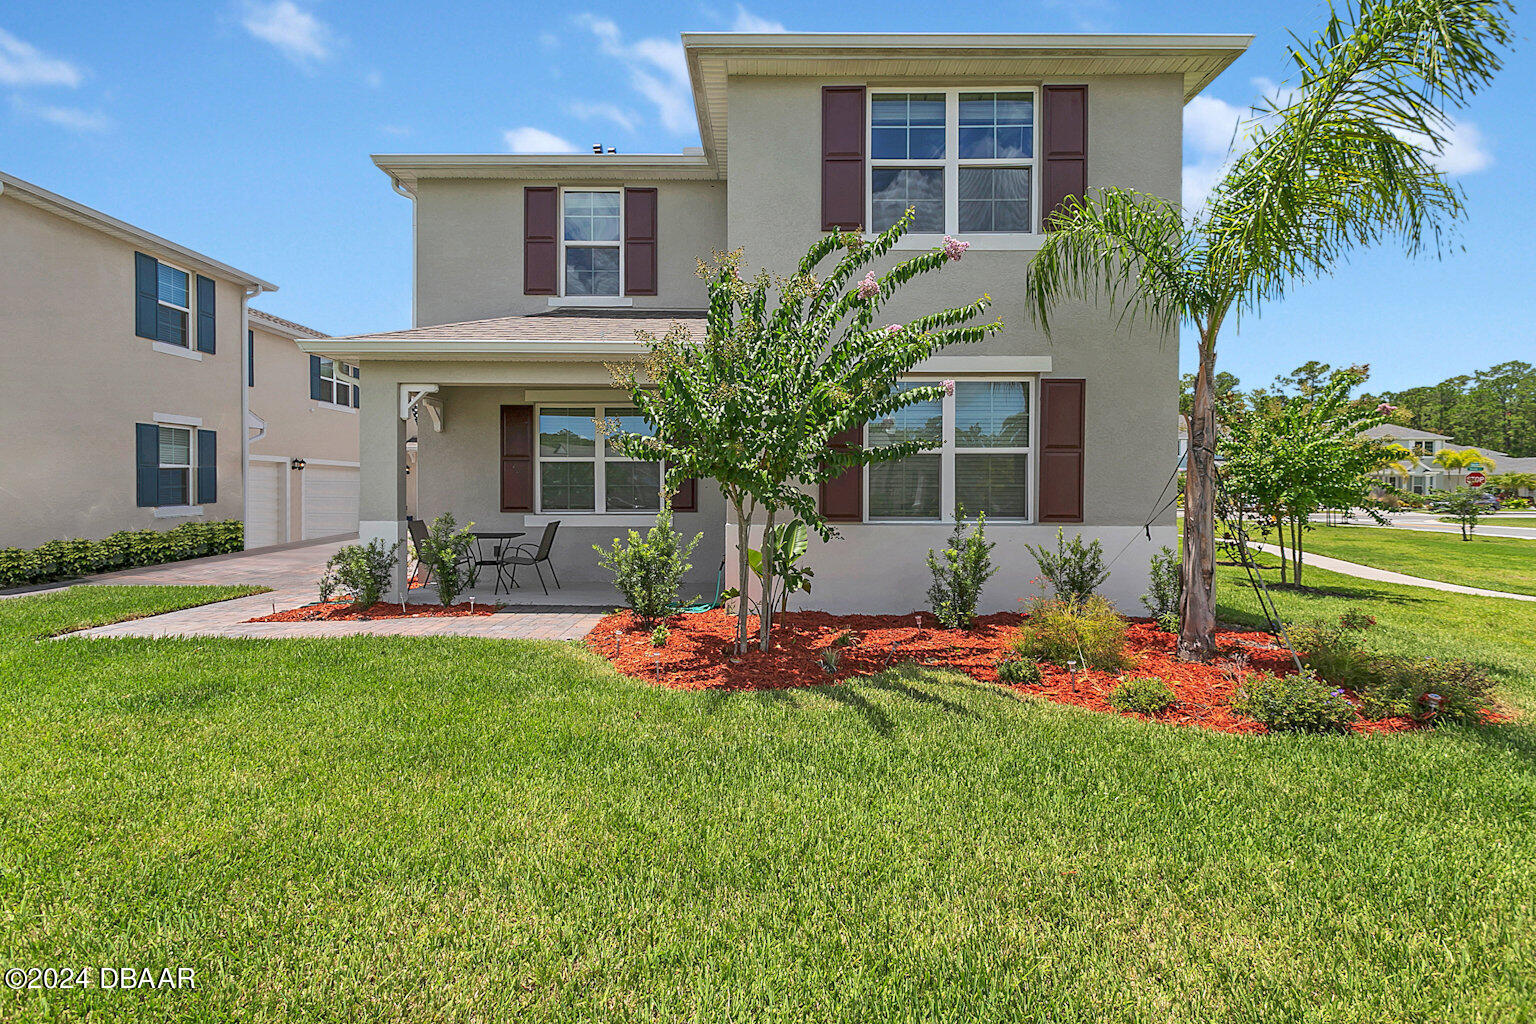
617, 169
33, 195
713, 57
473, 350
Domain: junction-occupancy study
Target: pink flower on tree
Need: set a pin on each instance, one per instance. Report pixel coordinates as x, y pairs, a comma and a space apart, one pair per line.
892, 329
954, 248
1385, 409
948, 386
869, 287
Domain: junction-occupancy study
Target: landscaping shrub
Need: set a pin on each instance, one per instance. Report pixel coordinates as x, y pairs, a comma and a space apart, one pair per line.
648, 570
1018, 671
1444, 689
1146, 694
125, 549
1168, 622
960, 576
1164, 587
1517, 504
1089, 632
1356, 619
359, 571
1075, 570
1294, 703
446, 552
659, 635
1332, 651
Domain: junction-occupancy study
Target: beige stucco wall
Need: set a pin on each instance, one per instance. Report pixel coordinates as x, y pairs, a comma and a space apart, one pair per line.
77, 379
297, 426
469, 246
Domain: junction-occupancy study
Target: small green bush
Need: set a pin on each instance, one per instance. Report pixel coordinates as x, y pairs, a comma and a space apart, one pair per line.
361, 572
1168, 622
1449, 689
125, 549
659, 635
1356, 619
1164, 586
958, 578
1517, 504
1075, 570
1331, 651
1090, 633
1146, 694
1017, 671
446, 551
648, 570
1294, 703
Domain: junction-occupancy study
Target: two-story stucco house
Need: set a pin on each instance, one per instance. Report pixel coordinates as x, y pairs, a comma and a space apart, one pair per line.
125, 359
533, 272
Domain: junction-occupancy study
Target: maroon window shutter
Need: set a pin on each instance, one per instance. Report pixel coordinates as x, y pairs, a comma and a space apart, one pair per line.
517, 458
1065, 148
640, 241
541, 240
686, 497
842, 157
842, 497
1061, 450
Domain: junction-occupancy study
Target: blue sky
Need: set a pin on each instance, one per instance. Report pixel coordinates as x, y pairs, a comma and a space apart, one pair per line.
243, 129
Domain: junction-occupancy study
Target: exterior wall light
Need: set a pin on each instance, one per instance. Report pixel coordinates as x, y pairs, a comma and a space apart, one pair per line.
298, 463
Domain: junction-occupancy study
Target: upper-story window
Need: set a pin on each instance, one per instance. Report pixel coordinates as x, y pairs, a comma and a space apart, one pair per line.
337, 381
592, 235
963, 160
175, 308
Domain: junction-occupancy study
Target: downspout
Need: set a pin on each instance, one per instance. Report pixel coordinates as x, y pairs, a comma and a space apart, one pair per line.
400, 189
245, 405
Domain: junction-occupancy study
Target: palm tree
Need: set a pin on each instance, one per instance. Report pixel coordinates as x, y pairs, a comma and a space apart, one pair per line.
1454, 460
1344, 161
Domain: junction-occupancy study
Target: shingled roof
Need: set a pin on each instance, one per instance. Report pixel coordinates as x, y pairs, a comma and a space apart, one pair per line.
554, 325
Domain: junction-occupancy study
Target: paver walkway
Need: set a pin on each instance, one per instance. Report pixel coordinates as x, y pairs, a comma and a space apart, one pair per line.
293, 575
1370, 572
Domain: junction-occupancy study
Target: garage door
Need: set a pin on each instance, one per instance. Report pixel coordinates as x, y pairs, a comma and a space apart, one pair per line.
330, 501
266, 514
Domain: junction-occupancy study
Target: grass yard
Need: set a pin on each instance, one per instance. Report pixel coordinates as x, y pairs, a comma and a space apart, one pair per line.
435, 829
1494, 563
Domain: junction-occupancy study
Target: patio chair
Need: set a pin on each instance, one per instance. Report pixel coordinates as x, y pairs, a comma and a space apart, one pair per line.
527, 554
417, 530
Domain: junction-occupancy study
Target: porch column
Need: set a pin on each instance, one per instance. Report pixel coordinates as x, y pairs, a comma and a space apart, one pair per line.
382, 473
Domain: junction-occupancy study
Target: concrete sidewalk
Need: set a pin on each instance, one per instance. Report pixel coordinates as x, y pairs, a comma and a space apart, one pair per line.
1367, 572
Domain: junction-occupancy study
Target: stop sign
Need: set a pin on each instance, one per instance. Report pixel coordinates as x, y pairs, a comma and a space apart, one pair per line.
1476, 479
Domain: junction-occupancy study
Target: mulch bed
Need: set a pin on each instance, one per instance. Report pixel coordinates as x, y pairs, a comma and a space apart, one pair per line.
700, 654
342, 611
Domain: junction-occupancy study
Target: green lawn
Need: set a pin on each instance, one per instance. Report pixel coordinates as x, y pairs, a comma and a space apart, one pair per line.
1494, 563
436, 829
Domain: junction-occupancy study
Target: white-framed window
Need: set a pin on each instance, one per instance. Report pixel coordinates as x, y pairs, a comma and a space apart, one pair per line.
1424, 450
176, 465
580, 472
592, 234
963, 159
337, 381
981, 458
174, 311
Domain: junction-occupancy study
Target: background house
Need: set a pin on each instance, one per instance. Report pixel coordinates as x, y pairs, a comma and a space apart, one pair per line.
1424, 475
533, 272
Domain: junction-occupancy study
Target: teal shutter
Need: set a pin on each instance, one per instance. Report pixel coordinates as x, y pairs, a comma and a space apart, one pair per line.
207, 467
250, 359
146, 296
206, 324
146, 438
314, 377
357, 389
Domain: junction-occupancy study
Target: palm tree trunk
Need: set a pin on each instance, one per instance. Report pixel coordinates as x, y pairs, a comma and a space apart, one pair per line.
743, 537
765, 610
1197, 604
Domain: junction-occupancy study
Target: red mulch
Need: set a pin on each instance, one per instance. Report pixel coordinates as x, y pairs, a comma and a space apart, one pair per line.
699, 654
338, 611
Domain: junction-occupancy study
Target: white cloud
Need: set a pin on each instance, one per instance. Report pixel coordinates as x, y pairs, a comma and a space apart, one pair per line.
297, 34
1465, 151
746, 21
601, 112
72, 118
21, 63
536, 140
657, 70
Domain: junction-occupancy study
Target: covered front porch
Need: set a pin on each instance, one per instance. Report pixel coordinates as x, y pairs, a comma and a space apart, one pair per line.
503, 414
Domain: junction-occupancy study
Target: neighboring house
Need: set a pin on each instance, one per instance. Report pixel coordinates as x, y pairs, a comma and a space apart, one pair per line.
533, 272
302, 482
122, 358
1424, 476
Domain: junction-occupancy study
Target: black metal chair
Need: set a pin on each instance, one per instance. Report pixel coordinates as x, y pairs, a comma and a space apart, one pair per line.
418, 533
527, 554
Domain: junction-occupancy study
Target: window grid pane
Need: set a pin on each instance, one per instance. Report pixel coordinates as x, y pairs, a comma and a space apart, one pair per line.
566, 486
894, 189
920, 421
172, 285
991, 414
633, 486
905, 489
907, 126
994, 199
171, 326
568, 432
996, 126
591, 270
994, 484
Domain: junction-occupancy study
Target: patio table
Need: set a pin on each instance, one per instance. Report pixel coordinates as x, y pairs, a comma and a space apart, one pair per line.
501, 547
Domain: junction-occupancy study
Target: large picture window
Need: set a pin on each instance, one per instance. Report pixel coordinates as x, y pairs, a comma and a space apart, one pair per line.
580, 472
963, 160
592, 234
981, 437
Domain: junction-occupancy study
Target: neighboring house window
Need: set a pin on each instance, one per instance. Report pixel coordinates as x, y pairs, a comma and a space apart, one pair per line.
250, 359
964, 161
592, 234
576, 466
981, 436
1424, 449
175, 465
174, 310
336, 382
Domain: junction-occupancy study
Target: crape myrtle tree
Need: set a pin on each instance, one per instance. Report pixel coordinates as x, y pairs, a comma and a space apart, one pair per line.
786, 365
1344, 158
1294, 457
